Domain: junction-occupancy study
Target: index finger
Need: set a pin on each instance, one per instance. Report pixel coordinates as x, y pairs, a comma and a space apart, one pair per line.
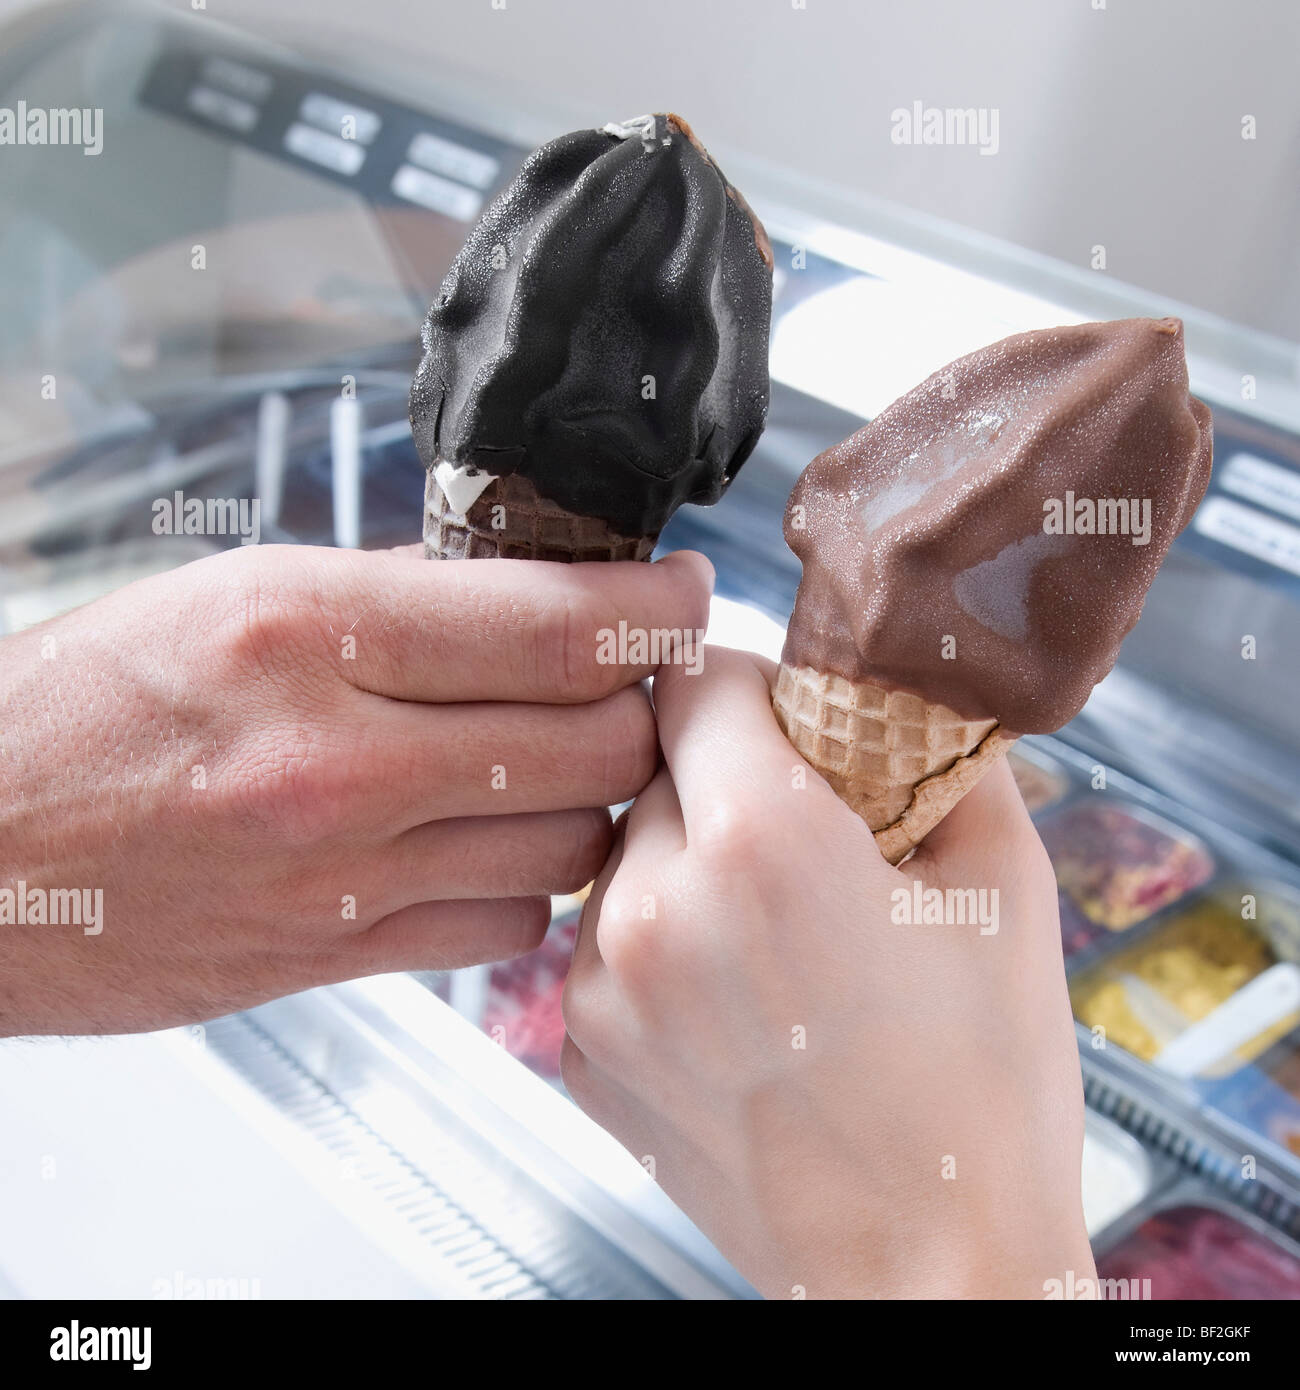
723, 746
519, 630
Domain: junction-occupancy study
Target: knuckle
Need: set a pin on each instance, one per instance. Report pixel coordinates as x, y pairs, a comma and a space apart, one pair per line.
574, 1008
592, 834
567, 647
728, 836
533, 922
290, 786
520, 928
262, 615
627, 937
575, 1072
628, 745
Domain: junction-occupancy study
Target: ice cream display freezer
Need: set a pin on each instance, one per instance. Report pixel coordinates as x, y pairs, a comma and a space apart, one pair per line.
408, 1136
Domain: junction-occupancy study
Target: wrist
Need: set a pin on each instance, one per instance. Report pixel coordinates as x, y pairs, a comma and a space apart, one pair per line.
941, 1264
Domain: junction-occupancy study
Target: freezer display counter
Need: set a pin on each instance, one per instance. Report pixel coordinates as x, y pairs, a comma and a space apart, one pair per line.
230, 306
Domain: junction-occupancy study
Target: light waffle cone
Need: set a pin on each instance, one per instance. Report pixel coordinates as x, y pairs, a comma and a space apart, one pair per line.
901, 762
527, 526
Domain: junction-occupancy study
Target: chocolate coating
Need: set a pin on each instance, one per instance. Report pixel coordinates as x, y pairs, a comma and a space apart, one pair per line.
927, 532
609, 260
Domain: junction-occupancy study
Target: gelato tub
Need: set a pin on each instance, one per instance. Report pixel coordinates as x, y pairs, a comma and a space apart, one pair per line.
1283, 1070
1117, 1172
1077, 931
1267, 1096
523, 1010
1192, 1251
1120, 866
1041, 783
1183, 977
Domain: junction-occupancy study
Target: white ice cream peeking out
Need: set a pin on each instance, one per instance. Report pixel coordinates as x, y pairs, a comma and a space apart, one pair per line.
462, 486
642, 126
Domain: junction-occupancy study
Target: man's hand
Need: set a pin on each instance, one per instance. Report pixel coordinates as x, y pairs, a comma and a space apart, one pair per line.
287, 766
851, 1100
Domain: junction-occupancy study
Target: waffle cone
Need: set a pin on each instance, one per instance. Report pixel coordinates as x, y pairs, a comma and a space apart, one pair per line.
901, 762
513, 521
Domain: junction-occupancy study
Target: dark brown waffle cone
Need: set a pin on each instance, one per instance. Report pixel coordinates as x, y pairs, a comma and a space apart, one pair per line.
513, 521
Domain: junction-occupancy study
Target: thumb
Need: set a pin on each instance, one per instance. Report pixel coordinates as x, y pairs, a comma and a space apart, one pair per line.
986, 834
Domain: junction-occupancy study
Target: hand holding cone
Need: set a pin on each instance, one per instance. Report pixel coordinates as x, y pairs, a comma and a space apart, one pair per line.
902, 763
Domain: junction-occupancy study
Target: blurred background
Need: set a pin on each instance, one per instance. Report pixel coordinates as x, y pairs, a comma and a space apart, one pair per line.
1120, 124
224, 301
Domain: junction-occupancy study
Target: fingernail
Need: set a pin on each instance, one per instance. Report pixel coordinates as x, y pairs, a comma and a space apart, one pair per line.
701, 564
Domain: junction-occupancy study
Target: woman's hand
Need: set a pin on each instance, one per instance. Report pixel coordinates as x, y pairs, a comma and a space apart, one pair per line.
851, 1103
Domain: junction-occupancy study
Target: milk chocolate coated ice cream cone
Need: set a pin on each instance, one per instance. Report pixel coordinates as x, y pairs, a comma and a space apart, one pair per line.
969, 572
598, 352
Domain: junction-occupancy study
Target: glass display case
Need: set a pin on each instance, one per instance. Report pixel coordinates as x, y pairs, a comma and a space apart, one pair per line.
225, 301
